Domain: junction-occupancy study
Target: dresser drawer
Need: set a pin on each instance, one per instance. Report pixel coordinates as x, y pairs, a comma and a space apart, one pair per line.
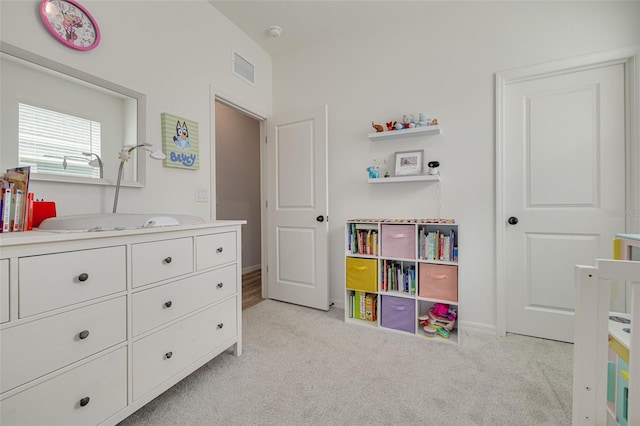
362, 274
34, 349
161, 260
58, 401
161, 355
55, 280
215, 249
4, 290
162, 304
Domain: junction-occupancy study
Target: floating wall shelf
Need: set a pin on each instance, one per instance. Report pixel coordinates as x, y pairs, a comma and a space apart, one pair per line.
393, 134
415, 178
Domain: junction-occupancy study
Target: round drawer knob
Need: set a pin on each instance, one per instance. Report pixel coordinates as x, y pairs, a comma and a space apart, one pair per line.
83, 277
84, 401
168, 304
167, 259
220, 326
83, 334
220, 285
219, 250
168, 355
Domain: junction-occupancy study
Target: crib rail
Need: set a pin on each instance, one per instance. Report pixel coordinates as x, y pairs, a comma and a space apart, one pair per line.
593, 295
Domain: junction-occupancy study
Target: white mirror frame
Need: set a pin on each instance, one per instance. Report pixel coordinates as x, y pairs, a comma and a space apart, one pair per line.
140, 180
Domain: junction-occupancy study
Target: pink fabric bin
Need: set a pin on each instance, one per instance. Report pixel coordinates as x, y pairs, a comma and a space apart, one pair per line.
398, 241
438, 282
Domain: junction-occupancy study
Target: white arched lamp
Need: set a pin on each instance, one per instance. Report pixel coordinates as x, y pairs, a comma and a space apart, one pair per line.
124, 156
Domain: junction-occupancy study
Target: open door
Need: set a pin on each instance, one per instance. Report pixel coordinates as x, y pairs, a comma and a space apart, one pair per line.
297, 208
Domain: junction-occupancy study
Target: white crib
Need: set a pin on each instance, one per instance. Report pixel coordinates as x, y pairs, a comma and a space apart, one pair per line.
591, 343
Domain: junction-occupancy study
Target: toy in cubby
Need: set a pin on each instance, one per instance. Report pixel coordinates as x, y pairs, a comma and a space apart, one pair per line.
439, 320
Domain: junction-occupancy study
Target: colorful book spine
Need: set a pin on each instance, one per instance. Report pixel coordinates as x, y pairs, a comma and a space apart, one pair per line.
7, 198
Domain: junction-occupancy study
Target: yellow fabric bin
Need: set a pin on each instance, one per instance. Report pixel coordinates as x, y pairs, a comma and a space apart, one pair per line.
362, 274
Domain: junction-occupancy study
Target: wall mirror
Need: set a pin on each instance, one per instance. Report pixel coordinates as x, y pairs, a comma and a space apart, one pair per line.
69, 126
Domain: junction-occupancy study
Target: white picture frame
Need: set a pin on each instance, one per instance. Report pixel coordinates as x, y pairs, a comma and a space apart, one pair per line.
409, 163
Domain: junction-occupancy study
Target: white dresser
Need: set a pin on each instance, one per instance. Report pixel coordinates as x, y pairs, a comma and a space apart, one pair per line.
94, 325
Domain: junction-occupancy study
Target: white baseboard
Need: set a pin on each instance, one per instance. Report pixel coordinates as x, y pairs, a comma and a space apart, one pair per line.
477, 327
337, 303
251, 268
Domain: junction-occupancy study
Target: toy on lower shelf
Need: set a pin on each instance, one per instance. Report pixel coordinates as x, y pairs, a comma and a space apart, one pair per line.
440, 320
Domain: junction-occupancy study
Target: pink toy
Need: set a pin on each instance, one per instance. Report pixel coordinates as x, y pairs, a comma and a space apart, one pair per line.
441, 309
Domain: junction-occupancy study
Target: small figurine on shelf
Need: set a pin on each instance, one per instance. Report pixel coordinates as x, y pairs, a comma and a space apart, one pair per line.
406, 120
434, 122
399, 126
423, 120
377, 127
374, 173
390, 125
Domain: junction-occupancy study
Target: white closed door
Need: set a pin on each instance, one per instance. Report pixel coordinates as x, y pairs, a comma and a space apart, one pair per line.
564, 181
297, 208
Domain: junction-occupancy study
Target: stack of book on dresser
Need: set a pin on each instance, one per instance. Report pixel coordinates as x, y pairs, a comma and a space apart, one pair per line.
16, 203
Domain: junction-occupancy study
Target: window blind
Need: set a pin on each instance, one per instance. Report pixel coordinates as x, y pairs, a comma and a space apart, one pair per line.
52, 142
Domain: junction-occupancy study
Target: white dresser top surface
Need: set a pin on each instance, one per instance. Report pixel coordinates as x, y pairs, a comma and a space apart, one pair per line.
37, 236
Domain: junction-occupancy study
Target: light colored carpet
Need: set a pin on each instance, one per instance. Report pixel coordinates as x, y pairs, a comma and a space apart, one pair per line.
306, 367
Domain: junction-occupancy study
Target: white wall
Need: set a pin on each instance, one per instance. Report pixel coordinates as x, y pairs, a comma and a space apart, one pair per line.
238, 177
172, 51
441, 61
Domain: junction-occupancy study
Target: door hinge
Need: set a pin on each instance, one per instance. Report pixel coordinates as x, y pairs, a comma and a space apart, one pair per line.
266, 204
267, 268
265, 139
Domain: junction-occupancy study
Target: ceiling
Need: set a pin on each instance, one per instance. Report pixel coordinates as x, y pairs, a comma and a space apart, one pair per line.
306, 22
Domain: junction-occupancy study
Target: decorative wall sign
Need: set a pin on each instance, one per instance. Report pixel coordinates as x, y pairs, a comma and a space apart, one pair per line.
70, 23
180, 142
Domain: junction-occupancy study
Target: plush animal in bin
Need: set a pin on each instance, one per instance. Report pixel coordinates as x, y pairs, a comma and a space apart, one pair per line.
377, 127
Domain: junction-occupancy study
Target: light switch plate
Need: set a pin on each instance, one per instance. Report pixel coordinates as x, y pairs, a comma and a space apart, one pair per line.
202, 195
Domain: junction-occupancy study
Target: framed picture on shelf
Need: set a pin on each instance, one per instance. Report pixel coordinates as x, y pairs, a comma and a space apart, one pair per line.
409, 163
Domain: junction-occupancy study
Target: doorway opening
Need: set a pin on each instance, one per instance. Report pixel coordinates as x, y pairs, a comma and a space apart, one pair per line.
238, 189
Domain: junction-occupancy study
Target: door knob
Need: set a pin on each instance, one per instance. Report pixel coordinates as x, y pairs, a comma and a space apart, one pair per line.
320, 218
512, 220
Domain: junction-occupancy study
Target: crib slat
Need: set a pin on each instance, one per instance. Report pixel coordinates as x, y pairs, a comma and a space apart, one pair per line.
590, 347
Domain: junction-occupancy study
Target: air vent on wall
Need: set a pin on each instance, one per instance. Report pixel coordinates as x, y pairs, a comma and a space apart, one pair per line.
243, 68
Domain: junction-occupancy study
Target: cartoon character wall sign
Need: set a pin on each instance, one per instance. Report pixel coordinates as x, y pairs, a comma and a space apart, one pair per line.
180, 142
181, 138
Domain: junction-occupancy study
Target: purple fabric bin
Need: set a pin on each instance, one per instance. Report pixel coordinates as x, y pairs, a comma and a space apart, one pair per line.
398, 313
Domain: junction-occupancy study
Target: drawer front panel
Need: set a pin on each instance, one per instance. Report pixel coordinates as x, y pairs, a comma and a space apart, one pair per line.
36, 348
398, 241
161, 260
55, 280
58, 401
215, 249
362, 274
160, 305
4, 290
398, 313
161, 355
438, 282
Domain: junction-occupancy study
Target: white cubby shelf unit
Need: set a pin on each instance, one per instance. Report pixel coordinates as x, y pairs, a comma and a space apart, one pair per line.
397, 270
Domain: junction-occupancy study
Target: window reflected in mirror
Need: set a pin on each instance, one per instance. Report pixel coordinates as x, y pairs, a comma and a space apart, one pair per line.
61, 144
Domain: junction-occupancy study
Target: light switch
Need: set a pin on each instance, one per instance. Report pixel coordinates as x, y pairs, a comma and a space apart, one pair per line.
202, 195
